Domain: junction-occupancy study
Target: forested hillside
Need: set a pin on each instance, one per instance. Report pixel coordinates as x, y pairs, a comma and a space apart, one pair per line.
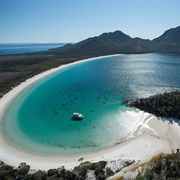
165, 167
119, 43
166, 104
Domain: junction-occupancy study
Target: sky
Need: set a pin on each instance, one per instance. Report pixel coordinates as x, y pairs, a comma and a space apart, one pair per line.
46, 21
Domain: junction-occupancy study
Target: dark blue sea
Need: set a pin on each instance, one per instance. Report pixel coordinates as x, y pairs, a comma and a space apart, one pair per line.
19, 48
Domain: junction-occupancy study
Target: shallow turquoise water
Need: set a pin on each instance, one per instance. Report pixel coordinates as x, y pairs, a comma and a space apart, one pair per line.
39, 119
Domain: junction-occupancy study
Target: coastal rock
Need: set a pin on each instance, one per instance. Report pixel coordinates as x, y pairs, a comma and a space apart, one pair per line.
118, 165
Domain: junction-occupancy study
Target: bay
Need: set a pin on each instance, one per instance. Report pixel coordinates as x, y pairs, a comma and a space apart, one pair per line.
39, 119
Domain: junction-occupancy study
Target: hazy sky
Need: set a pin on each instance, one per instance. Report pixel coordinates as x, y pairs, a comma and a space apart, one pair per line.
75, 20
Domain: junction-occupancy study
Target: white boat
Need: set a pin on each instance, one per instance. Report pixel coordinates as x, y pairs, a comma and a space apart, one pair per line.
77, 116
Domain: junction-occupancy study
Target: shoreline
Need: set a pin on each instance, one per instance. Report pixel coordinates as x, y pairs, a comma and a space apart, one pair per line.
148, 139
8, 97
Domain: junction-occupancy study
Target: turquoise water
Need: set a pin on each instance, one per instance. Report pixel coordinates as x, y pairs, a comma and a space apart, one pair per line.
39, 119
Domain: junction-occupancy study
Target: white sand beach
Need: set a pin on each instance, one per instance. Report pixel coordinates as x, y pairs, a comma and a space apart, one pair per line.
151, 137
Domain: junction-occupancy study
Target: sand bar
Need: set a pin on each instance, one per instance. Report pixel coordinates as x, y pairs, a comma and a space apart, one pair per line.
150, 137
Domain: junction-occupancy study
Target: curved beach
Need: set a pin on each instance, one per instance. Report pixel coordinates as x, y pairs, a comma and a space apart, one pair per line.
151, 136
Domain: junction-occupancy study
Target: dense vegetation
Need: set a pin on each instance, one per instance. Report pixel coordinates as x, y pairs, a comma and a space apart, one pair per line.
78, 173
166, 104
164, 168
16, 69
161, 168
169, 42
107, 44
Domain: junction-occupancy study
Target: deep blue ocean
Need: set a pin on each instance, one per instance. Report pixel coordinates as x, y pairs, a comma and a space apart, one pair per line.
19, 48
39, 119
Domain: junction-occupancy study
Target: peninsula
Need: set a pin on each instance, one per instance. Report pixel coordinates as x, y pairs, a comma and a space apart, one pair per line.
161, 105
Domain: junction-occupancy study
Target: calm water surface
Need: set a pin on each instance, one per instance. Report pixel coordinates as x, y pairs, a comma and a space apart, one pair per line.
39, 119
19, 48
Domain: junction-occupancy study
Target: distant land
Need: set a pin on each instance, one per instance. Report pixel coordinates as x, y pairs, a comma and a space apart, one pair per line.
21, 48
18, 67
120, 43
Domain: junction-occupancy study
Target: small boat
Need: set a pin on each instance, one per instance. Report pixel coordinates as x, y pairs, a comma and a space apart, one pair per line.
77, 116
